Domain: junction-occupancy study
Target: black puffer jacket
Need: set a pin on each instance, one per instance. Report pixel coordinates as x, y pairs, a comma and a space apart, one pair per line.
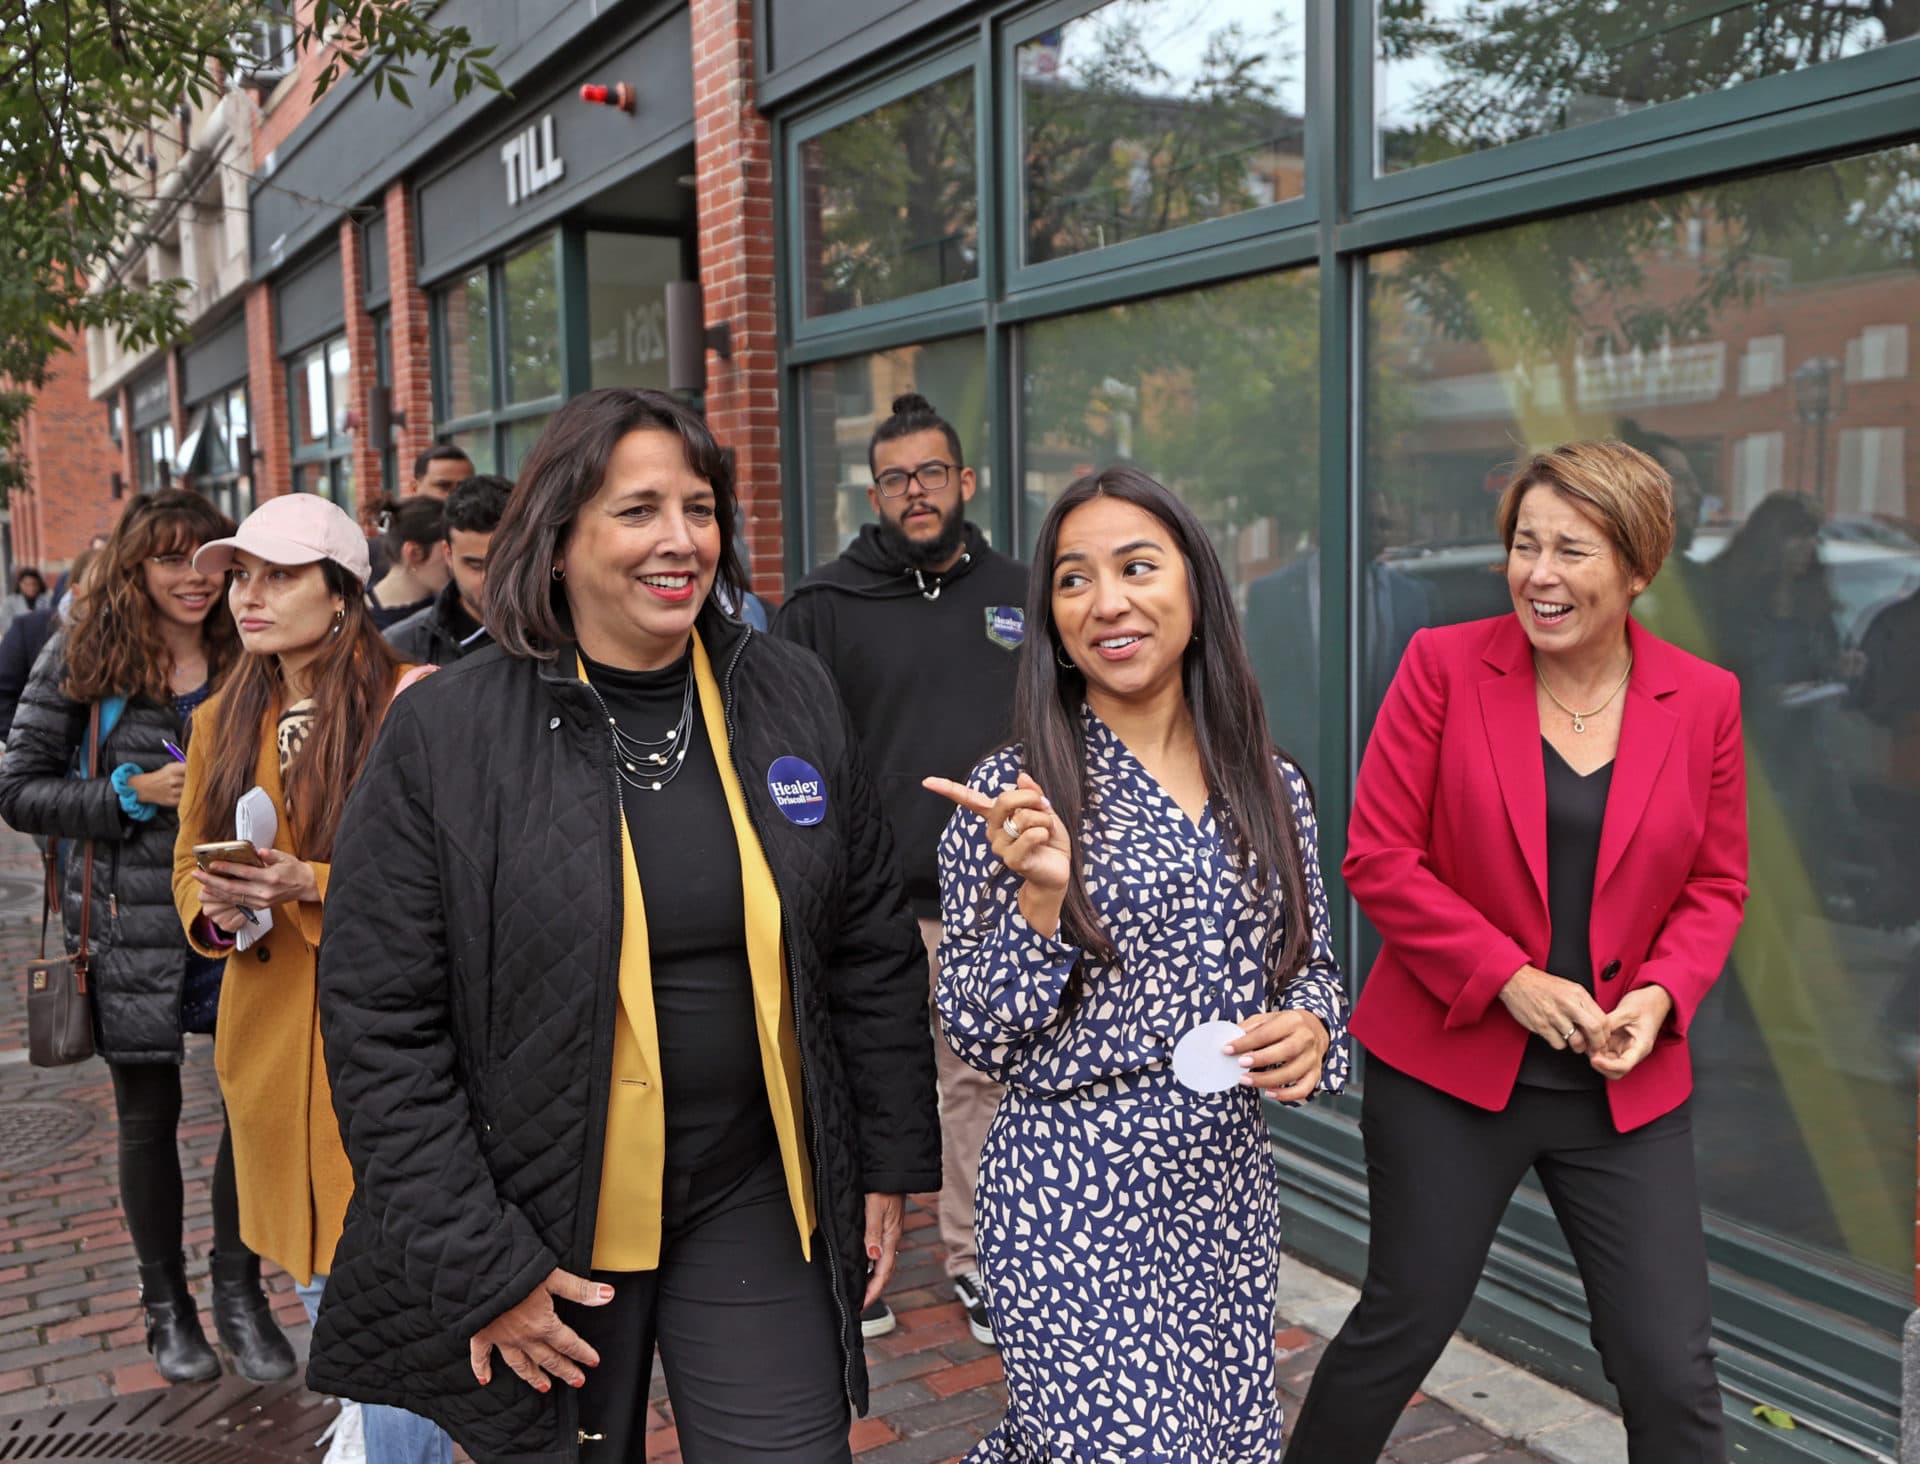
139, 954
468, 982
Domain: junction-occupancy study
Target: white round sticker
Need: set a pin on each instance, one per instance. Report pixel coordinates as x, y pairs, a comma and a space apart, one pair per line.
1199, 1063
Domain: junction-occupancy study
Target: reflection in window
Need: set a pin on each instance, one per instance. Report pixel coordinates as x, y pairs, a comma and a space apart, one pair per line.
1456, 76
1797, 566
1216, 393
889, 201
531, 280
467, 348
627, 278
1145, 115
846, 400
320, 382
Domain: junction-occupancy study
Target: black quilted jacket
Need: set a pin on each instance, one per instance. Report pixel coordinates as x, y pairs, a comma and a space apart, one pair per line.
139, 954
468, 981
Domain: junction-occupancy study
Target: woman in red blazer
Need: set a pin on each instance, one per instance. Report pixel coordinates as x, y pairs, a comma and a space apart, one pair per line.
1549, 832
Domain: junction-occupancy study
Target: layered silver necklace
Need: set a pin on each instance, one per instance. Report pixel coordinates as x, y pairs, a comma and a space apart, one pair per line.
649, 764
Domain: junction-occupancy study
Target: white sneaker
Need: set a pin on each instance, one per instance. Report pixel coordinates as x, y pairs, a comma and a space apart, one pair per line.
345, 1437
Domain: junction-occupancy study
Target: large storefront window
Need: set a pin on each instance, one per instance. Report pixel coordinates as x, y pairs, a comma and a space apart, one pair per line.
1216, 393
1142, 116
1455, 76
217, 468
890, 202
1757, 339
500, 354
319, 387
847, 399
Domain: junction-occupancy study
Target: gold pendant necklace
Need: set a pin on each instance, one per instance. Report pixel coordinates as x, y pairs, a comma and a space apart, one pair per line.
1580, 718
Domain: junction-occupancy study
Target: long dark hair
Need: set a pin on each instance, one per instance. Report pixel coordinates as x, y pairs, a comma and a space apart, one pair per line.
1229, 724
526, 607
114, 645
352, 680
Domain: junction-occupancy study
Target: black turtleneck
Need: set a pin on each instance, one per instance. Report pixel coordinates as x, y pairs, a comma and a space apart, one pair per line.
717, 1113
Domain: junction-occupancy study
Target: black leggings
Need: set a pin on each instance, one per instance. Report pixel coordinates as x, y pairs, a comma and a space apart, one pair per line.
152, 1193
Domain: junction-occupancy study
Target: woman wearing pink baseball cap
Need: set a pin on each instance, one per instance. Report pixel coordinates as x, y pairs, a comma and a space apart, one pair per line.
295, 719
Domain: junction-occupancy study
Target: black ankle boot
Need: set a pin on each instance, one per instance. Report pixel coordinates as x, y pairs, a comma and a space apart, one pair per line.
245, 1322
174, 1337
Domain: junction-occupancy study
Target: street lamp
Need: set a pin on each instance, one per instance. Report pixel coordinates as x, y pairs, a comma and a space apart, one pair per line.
1818, 395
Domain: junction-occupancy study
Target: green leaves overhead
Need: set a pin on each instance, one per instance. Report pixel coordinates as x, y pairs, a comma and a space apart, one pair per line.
81, 84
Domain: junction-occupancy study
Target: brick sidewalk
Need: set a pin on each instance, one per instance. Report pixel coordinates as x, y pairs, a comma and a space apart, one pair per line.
70, 1326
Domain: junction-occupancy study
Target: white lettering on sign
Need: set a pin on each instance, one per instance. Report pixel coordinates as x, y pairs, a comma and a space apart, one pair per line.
796, 790
532, 161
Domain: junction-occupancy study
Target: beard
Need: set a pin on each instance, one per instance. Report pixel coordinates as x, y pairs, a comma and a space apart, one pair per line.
925, 554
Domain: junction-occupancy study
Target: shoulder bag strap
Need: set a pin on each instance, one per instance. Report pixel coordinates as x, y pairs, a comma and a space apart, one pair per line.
86, 877
50, 895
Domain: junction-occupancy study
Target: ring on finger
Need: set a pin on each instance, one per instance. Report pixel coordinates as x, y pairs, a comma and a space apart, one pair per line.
1010, 827
1567, 1036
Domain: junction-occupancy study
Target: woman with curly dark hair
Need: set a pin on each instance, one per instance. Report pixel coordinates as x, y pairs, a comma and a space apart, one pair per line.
145, 645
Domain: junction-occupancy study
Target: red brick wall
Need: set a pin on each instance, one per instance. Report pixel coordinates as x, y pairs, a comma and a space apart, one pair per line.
70, 462
363, 351
412, 353
733, 169
267, 400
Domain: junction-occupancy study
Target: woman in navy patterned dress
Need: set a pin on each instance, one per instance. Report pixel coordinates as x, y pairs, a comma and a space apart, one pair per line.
1128, 1225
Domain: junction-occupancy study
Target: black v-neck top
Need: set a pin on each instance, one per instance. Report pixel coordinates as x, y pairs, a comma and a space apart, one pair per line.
717, 1112
1576, 809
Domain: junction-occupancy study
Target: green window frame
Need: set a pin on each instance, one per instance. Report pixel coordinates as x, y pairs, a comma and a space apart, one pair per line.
500, 426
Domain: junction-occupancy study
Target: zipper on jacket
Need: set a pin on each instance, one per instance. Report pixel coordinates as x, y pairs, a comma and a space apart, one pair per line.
823, 1204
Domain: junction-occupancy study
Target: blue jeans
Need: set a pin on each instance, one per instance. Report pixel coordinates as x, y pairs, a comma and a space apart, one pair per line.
394, 1436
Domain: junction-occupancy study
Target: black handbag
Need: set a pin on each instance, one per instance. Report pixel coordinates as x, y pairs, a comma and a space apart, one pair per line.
59, 1010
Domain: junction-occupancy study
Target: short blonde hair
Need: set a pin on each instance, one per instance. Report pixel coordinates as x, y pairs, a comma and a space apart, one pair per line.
1624, 489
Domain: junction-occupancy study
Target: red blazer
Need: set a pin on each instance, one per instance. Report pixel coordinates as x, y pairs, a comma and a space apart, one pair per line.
1447, 856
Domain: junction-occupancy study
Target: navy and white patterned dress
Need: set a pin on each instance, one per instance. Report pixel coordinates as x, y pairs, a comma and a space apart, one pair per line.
1128, 1227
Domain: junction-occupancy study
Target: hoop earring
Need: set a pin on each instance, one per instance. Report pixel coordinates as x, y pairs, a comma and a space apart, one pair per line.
1061, 659
559, 572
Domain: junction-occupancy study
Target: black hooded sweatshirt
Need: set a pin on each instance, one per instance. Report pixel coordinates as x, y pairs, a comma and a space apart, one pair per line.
925, 663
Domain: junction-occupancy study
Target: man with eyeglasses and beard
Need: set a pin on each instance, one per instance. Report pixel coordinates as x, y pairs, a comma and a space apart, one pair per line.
919, 621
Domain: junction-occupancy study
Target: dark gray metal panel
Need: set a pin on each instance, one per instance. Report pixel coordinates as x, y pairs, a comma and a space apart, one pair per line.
354, 143
802, 42
309, 303
151, 401
465, 211
217, 359
373, 261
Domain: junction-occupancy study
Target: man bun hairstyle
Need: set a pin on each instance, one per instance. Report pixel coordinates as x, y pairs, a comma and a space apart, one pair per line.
476, 505
914, 413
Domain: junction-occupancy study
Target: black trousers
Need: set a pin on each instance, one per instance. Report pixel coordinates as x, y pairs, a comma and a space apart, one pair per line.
1439, 1175
146, 1097
748, 1335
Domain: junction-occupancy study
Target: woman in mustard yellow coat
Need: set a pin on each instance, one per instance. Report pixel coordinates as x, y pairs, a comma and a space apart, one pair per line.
295, 720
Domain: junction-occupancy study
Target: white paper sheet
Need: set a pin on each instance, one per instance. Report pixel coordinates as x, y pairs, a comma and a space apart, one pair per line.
256, 821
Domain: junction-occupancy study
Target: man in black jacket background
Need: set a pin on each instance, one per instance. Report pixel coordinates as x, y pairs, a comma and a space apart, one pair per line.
920, 621
452, 626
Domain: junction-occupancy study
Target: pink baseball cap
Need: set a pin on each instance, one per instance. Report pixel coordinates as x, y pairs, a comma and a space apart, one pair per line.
294, 528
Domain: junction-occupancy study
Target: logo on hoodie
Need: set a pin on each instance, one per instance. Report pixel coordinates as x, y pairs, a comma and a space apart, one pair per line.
798, 791
1006, 626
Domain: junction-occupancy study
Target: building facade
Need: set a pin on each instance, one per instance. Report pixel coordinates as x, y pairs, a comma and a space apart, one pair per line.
1326, 267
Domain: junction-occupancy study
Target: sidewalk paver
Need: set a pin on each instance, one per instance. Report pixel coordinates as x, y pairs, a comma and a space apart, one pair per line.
70, 1325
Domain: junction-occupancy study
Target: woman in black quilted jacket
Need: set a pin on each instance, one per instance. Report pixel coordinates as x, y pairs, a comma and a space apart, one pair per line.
146, 642
624, 1006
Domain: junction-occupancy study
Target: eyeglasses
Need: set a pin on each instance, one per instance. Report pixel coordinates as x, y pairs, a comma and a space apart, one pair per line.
172, 563
932, 476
